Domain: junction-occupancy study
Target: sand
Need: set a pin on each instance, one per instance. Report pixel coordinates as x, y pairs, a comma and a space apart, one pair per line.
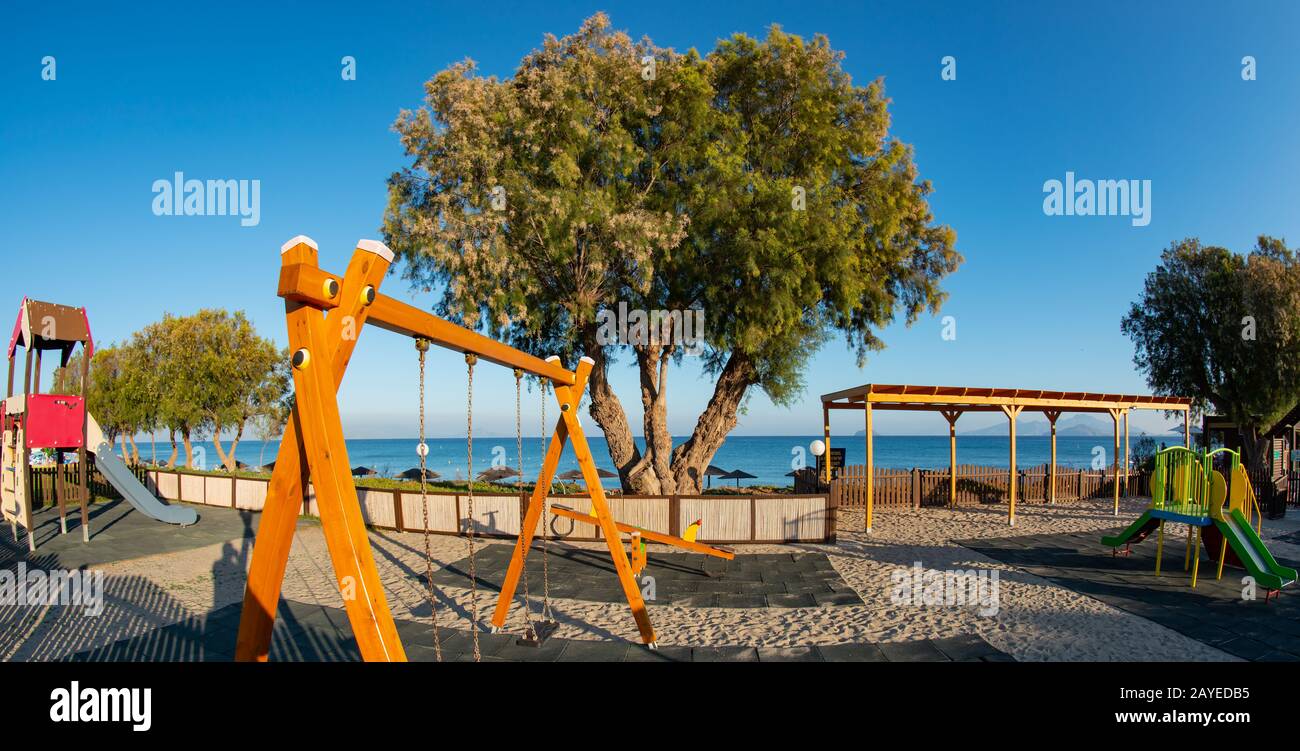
1035, 619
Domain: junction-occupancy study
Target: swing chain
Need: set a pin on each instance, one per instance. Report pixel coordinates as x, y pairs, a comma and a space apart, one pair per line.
422, 346
470, 360
546, 523
519, 486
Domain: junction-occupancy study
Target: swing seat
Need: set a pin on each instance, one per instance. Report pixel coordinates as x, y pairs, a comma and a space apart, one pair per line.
537, 635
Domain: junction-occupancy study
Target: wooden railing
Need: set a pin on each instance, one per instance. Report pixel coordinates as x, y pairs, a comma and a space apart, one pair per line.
976, 485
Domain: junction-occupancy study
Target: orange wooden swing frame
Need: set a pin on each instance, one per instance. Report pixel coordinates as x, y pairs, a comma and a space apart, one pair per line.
325, 315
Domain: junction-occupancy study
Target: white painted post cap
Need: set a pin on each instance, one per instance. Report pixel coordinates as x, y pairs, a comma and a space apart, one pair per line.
299, 240
376, 247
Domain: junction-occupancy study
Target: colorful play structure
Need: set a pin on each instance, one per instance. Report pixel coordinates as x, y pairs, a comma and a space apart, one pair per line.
60, 423
1218, 511
319, 308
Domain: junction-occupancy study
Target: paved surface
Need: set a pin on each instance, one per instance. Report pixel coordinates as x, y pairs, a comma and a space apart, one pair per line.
1214, 613
118, 533
777, 580
321, 634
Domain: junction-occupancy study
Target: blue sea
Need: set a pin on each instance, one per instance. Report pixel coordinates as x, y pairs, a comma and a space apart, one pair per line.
767, 457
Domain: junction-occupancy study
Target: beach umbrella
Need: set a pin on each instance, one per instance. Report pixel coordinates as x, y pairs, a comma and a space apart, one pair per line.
363, 472
497, 473
414, 474
711, 472
738, 475
270, 466
576, 474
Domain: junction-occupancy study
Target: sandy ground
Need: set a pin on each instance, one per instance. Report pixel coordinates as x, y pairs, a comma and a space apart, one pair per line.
1034, 619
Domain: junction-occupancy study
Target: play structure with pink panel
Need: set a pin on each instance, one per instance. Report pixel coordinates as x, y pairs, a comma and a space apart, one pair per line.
59, 423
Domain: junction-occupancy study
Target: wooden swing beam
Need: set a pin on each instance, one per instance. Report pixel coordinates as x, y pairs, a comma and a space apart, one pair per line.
325, 314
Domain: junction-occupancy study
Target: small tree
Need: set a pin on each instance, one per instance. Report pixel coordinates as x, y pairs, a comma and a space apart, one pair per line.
1223, 329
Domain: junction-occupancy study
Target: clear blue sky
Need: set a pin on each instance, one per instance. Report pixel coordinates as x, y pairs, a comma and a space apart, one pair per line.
253, 91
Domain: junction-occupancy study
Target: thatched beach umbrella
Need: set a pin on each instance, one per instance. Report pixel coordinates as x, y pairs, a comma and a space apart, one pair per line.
497, 473
711, 472
576, 474
414, 474
738, 475
363, 472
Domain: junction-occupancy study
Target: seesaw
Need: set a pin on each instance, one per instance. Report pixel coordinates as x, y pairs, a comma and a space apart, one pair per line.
640, 535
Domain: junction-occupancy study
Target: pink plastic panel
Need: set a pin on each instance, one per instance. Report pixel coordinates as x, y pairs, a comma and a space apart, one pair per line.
55, 421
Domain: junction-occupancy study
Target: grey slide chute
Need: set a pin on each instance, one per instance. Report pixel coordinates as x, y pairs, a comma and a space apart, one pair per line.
121, 478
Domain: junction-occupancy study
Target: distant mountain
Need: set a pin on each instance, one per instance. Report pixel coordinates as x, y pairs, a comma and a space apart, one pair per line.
1067, 425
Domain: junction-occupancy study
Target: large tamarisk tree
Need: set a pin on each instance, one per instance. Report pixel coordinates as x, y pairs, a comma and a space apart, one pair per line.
756, 184
1224, 329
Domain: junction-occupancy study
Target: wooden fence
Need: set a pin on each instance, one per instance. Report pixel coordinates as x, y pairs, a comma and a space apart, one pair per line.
729, 519
976, 485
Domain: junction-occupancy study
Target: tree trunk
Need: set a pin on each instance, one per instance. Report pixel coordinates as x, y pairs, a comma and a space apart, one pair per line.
227, 457
171, 460
607, 411
189, 447
1255, 448
662, 469
717, 420
226, 460
135, 450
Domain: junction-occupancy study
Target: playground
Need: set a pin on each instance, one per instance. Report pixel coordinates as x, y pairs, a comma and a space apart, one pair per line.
306, 566
175, 594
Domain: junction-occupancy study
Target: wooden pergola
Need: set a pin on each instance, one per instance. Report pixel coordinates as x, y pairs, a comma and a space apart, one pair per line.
953, 401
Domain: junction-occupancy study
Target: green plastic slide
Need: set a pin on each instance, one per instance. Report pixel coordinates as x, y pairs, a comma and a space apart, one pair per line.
1252, 553
1136, 532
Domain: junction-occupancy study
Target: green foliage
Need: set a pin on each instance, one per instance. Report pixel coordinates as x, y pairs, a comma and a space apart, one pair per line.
1223, 329
107, 391
1144, 453
196, 375
668, 192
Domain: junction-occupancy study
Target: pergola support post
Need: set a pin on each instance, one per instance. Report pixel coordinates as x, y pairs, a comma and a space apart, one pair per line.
1012, 412
871, 482
951, 416
1052, 417
1126, 454
1114, 417
826, 438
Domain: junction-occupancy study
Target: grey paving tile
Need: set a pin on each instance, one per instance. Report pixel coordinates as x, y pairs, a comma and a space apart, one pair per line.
922, 650
724, 654
851, 653
789, 654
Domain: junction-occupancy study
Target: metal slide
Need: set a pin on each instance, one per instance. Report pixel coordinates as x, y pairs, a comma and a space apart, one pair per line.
120, 477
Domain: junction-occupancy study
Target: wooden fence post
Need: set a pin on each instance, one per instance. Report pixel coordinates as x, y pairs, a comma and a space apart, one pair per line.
831, 513
916, 488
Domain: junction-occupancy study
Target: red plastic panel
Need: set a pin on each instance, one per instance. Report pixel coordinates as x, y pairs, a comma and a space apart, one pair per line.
55, 421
